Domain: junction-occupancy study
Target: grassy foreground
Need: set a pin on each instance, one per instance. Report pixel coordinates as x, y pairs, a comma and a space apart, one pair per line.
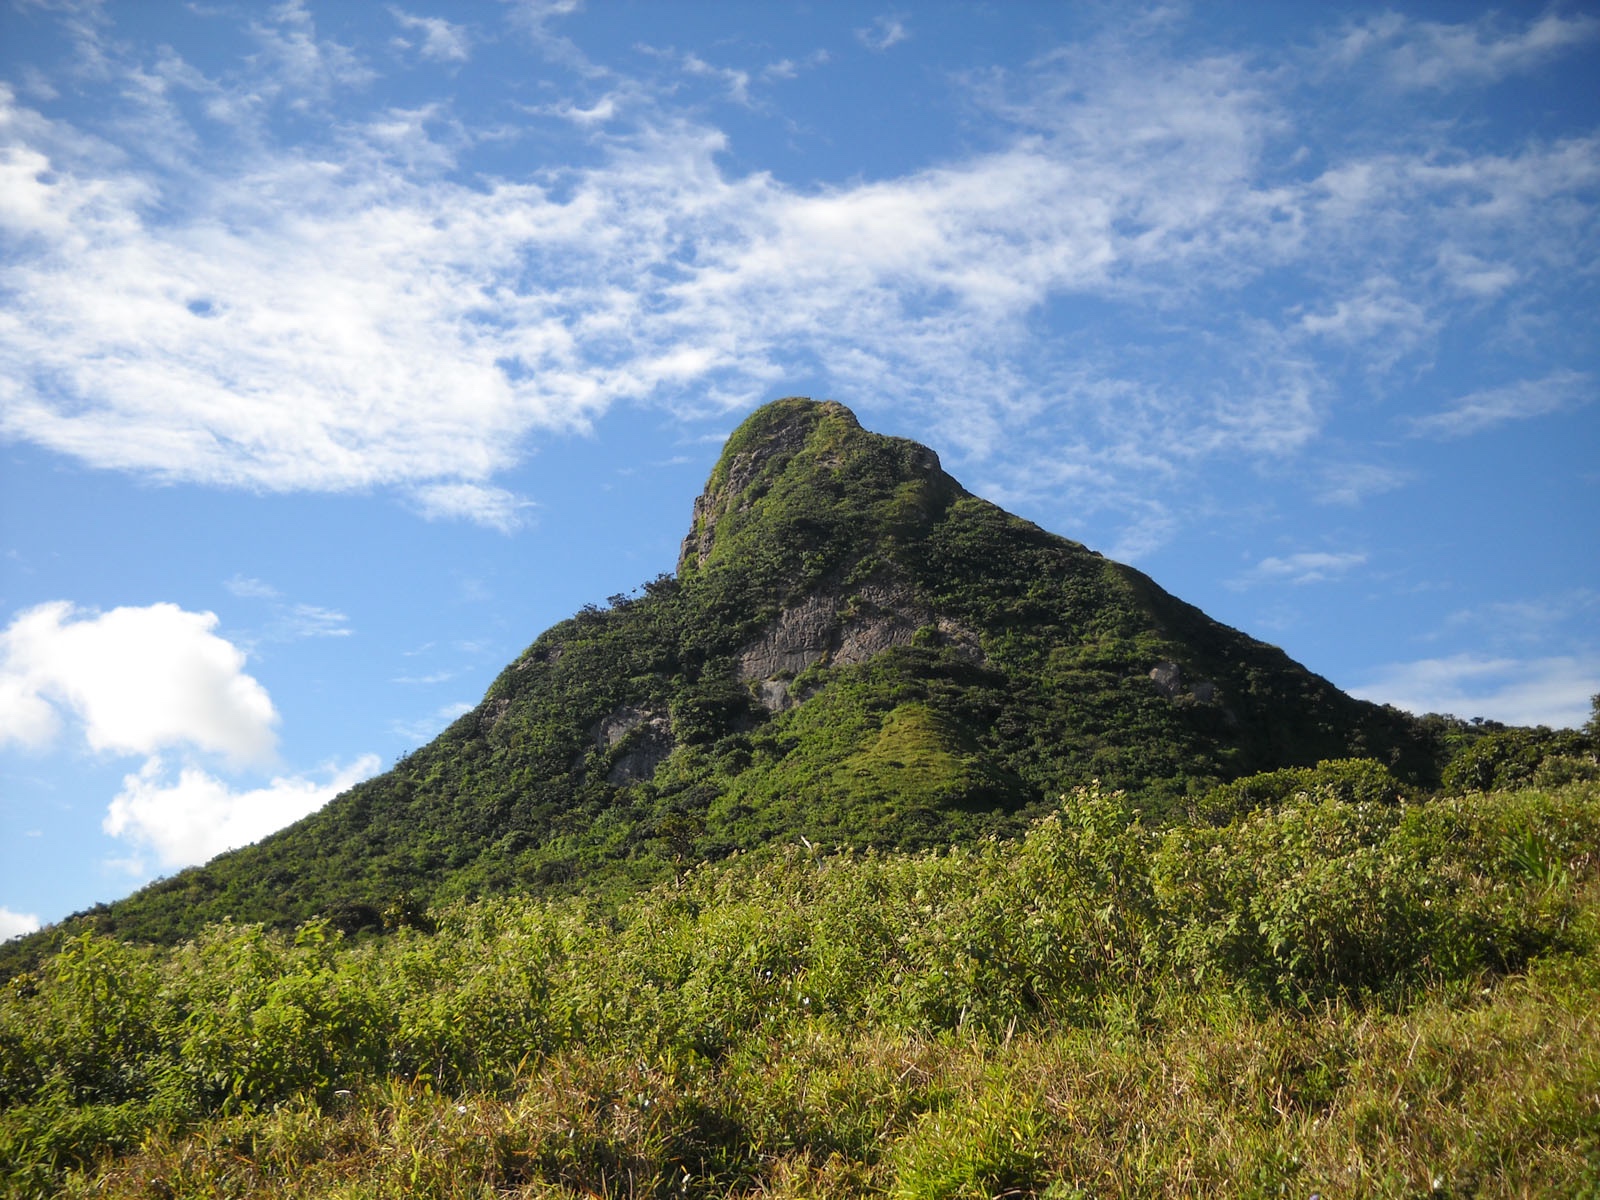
1332, 997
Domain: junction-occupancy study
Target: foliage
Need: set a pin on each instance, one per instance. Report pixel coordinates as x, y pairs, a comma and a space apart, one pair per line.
1351, 781
917, 1024
624, 746
1511, 758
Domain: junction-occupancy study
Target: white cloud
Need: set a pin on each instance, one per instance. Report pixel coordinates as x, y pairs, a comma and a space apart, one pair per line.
1428, 54
197, 816
885, 31
1544, 621
491, 506
15, 924
1352, 483
1313, 566
1515, 402
1380, 310
736, 81
310, 620
536, 12
289, 621
304, 68
1474, 276
429, 680
1552, 691
441, 41
788, 68
139, 679
247, 588
350, 315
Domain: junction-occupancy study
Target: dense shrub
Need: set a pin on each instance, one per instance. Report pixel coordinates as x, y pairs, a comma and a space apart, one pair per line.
1512, 758
1350, 780
1087, 921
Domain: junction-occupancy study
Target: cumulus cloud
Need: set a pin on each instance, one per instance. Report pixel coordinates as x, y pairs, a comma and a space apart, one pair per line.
15, 924
197, 816
1552, 691
138, 680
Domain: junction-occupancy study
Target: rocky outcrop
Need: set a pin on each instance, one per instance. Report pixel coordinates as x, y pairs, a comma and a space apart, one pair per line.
1168, 678
491, 712
838, 631
648, 738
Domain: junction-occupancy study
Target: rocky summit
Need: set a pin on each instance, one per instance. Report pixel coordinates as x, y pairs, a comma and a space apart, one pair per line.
854, 650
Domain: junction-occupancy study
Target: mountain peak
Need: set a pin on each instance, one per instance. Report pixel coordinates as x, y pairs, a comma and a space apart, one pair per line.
789, 462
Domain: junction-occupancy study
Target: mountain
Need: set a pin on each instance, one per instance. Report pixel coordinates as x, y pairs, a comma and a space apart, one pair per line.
854, 650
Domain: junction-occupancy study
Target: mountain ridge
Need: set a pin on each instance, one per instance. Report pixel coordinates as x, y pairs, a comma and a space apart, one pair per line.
855, 650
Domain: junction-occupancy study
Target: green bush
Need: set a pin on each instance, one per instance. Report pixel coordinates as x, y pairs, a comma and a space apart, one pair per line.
1349, 780
1511, 758
1090, 920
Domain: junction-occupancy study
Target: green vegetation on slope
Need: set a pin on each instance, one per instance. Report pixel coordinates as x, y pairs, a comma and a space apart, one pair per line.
854, 651
1328, 992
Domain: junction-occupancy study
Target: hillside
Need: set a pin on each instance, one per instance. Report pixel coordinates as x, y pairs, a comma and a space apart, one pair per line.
854, 650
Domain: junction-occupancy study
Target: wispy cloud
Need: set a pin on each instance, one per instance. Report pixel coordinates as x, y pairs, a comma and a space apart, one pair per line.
1380, 317
352, 315
1353, 483
303, 68
491, 506
735, 81
1311, 566
442, 41
290, 621
789, 68
885, 31
310, 620
1515, 402
428, 680
429, 726
247, 588
1552, 691
1545, 621
1430, 54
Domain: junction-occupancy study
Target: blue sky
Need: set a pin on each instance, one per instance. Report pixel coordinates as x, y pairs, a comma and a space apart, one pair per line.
345, 347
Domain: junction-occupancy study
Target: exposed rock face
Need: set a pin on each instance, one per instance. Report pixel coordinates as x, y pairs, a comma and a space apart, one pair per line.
649, 738
840, 631
1168, 677
490, 713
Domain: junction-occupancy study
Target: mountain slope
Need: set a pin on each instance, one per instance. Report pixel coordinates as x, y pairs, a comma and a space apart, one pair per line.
854, 650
